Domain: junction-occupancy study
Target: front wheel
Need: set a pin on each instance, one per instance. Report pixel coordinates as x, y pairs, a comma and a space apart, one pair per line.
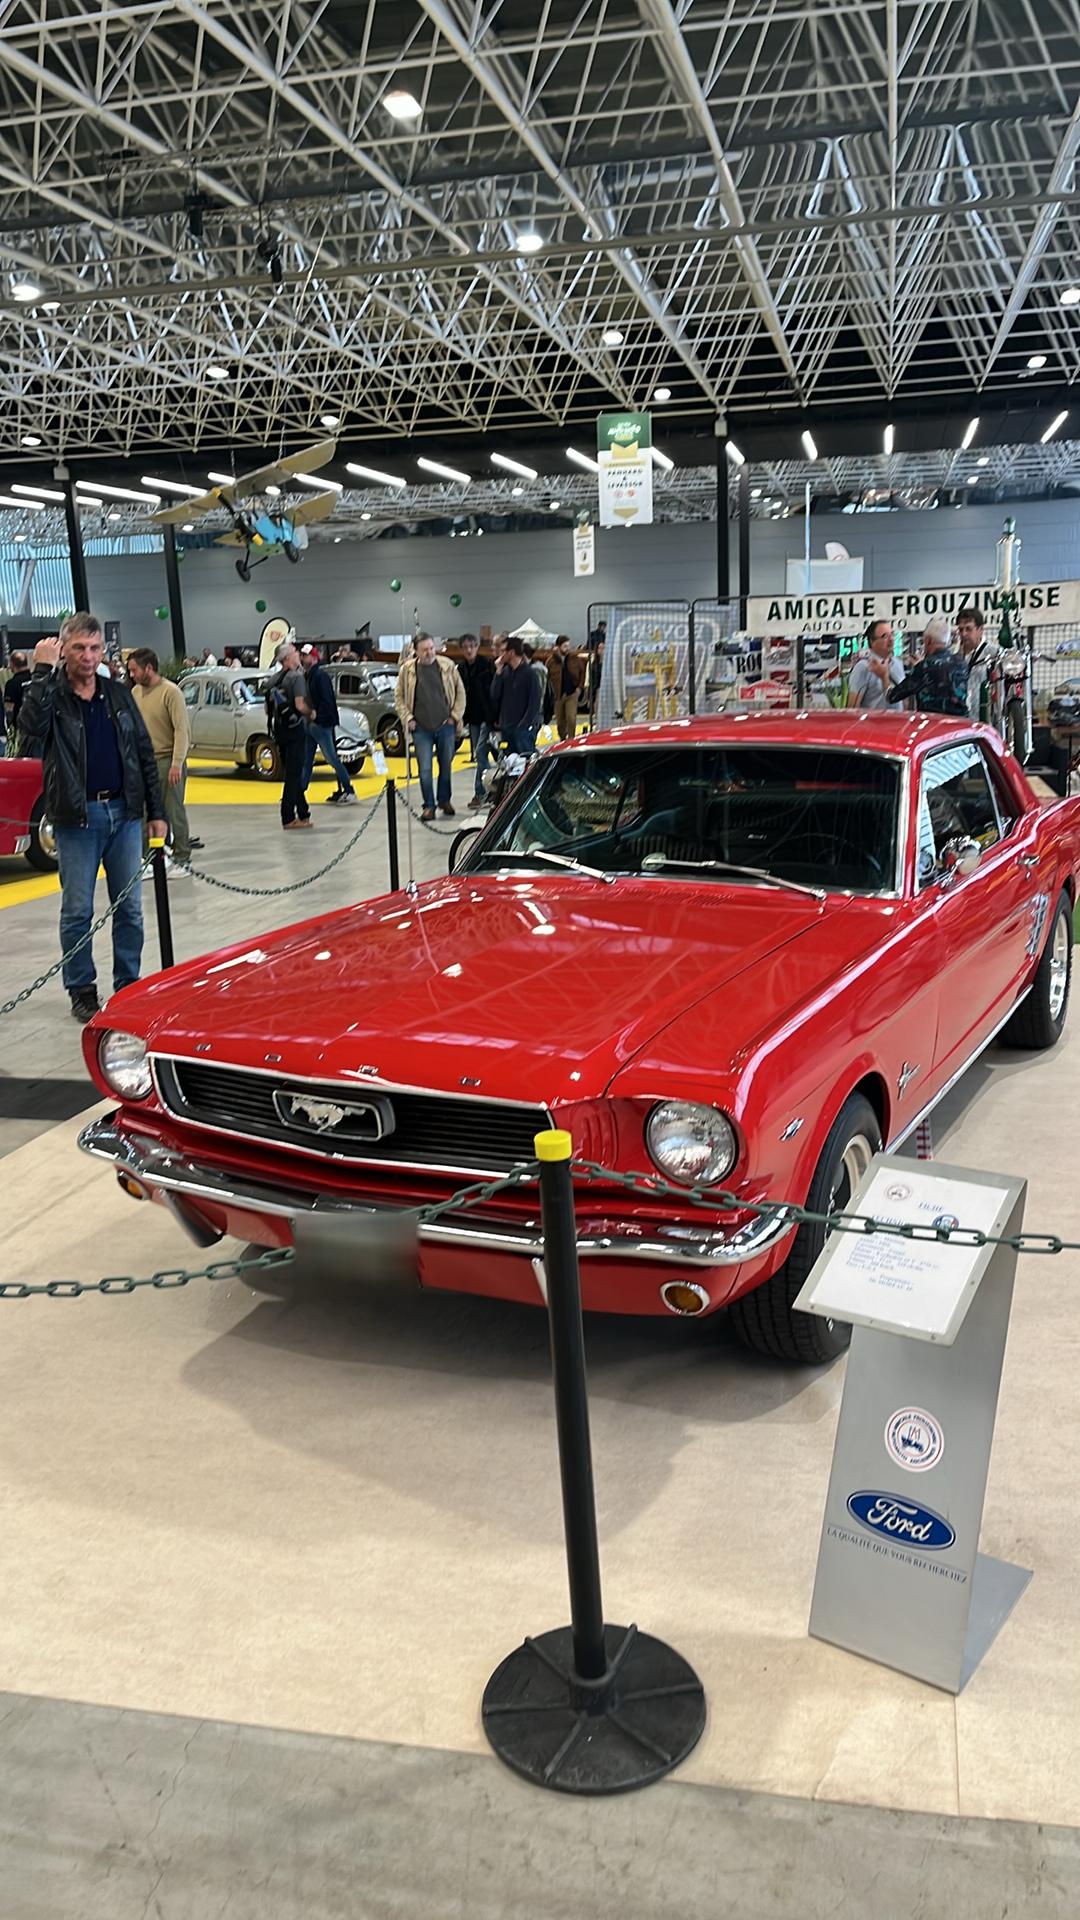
766, 1319
41, 852
265, 758
1039, 1020
1016, 729
391, 738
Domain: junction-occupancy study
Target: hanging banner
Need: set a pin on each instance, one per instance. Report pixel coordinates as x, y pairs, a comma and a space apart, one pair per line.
627, 431
625, 488
584, 551
1047, 603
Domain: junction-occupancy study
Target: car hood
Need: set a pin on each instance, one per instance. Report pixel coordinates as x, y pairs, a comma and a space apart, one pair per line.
531, 989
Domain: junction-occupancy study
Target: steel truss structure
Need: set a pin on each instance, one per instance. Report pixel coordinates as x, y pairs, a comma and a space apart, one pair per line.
779, 205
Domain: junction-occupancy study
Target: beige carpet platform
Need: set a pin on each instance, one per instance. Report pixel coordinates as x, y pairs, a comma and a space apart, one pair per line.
336, 1513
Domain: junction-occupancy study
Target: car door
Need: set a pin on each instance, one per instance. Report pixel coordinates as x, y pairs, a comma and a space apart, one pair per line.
983, 917
217, 719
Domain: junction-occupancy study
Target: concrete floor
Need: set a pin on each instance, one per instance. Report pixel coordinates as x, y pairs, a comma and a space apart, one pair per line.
334, 1514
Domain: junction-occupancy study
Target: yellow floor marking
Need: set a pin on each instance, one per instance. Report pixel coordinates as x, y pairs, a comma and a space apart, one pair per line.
14, 892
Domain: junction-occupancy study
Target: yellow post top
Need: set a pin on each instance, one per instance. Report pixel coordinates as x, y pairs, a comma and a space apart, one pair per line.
156, 842
554, 1145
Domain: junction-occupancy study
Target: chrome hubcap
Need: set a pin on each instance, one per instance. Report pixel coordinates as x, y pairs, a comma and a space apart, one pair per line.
854, 1163
264, 760
1059, 969
46, 838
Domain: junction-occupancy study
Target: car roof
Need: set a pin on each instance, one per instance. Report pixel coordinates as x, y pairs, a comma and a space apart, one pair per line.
889, 732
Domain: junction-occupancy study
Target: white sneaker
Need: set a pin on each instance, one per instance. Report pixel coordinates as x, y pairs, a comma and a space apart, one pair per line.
176, 870
349, 800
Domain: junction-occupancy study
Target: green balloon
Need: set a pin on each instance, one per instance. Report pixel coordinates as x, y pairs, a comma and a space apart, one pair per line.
455, 599
395, 586
65, 613
260, 606
161, 613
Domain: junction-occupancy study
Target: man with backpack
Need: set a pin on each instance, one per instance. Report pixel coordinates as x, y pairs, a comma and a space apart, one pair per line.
322, 727
287, 710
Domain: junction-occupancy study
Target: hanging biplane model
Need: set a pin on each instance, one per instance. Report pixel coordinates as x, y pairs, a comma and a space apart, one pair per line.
262, 530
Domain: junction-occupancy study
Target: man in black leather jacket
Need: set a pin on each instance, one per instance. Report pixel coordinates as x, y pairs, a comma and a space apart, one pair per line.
101, 782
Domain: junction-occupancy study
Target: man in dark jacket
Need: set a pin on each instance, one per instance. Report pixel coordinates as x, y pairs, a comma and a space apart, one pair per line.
477, 673
101, 782
515, 695
566, 672
321, 728
938, 682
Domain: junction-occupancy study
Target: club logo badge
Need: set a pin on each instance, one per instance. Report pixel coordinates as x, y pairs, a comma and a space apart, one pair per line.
914, 1439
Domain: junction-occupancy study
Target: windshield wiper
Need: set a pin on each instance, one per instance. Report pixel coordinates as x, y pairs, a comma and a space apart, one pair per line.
551, 859
653, 862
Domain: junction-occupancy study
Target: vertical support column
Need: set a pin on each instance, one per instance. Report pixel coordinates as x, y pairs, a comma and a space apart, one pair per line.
80, 591
723, 560
744, 540
172, 583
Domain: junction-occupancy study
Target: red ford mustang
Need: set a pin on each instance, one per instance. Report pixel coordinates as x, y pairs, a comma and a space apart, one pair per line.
23, 826
738, 952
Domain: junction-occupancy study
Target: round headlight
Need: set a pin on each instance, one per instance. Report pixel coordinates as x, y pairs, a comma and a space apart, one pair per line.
691, 1144
123, 1062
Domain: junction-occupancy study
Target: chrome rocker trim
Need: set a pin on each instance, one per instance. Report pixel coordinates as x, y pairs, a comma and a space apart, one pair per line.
179, 1179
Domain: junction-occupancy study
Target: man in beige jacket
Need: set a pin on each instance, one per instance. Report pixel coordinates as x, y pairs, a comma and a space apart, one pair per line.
161, 705
430, 699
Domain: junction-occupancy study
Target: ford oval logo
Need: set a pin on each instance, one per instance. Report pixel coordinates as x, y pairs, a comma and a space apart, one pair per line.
902, 1520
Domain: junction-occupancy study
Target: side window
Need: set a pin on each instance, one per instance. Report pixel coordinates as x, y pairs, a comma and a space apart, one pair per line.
955, 803
217, 695
191, 694
350, 683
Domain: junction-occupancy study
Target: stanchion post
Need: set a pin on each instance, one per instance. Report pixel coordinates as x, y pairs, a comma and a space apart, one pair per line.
391, 834
800, 670
161, 902
586, 1708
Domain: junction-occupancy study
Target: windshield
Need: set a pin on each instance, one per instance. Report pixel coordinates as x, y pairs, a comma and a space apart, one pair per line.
382, 684
809, 815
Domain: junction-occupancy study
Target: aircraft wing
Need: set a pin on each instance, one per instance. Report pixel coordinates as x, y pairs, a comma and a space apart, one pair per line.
189, 509
319, 507
230, 540
308, 460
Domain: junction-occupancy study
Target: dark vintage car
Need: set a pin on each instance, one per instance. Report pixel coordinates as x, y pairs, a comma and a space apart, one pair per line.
740, 953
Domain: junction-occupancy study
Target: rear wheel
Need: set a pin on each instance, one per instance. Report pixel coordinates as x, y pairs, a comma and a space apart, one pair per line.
766, 1319
1040, 1019
265, 758
41, 852
1016, 729
391, 739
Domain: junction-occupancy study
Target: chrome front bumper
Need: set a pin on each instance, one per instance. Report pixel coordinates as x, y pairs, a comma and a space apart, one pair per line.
179, 1179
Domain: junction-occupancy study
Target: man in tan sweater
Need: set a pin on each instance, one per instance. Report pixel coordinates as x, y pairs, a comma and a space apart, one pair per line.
161, 704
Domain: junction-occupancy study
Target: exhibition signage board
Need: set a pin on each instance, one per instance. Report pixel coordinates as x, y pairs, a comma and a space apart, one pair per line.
1045, 603
584, 551
625, 479
899, 1578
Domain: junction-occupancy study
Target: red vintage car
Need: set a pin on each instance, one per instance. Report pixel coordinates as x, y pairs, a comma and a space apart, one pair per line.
739, 952
23, 825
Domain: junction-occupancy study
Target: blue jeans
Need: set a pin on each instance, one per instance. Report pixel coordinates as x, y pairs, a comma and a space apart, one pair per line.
111, 840
521, 740
480, 741
322, 738
442, 742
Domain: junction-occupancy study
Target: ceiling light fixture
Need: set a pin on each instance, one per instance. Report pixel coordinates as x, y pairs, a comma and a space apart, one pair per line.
118, 493
969, 433
50, 306
188, 526
1035, 361
735, 454
755, 493
983, 460
319, 481
330, 420
809, 444
222, 479
30, 440
582, 460
528, 242
1054, 427
444, 473
890, 439
37, 493
274, 492
662, 394
973, 479
171, 486
513, 466
115, 514
517, 492
661, 459
365, 516
611, 337
214, 372
372, 473
400, 104
20, 536
25, 291
9, 500
1070, 297
554, 505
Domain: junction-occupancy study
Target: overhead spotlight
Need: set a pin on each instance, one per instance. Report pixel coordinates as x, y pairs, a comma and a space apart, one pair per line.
983, 460
1035, 361
337, 539
444, 473
20, 536
611, 337
735, 454
517, 492
554, 505
1070, 297
214, 372
188, 526
30, 440
329, 421
969, 434
115, 515
973, 479
25, 291
365, 516
755, 493
513, 466
1054, 427
529, 242
809, 444
661, 394
400, 104
890, 439
582, 460
373, 473
274, 492
50, 306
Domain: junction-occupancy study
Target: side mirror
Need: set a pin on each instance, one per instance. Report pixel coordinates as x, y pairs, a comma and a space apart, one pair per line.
959, 858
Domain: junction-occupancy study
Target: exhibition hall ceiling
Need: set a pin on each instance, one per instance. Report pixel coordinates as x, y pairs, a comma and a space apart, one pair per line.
215, 233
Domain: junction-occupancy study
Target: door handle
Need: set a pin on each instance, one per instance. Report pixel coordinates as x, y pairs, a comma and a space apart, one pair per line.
1030, 860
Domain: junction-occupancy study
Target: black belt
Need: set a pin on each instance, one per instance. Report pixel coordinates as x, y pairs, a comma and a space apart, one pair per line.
116, 794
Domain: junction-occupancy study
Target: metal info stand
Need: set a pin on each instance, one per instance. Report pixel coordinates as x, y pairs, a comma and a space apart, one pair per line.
899, 1575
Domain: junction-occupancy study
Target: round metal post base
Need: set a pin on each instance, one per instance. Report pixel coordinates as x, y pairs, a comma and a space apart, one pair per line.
624, 1730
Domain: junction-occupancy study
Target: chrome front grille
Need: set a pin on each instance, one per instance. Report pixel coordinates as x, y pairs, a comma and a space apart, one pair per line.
417, 1129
